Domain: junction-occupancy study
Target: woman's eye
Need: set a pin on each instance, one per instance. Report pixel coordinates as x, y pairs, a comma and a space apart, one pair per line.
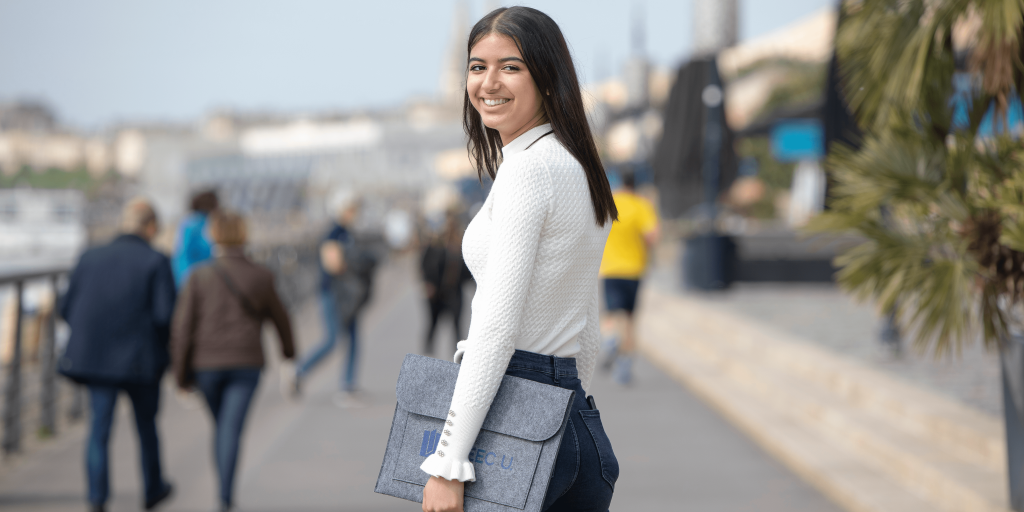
476, 67
510, 68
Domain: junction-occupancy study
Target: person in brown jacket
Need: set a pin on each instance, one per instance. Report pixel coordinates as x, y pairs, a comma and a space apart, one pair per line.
215, 338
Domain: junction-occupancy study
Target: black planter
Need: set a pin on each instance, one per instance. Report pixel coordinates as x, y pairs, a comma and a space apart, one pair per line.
709, 261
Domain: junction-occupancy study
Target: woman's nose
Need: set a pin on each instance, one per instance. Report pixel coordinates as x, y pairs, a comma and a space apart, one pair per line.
492, 81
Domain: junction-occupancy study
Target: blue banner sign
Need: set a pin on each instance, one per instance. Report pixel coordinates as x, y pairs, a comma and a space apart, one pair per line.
797, 139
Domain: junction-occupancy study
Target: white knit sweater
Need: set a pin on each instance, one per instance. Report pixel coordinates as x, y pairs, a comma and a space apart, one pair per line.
534, 249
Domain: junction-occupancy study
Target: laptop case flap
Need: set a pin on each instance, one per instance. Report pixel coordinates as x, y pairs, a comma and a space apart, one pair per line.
522, 408
513, 456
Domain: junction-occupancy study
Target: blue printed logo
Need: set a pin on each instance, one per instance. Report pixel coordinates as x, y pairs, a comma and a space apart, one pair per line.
490, 458
430, 439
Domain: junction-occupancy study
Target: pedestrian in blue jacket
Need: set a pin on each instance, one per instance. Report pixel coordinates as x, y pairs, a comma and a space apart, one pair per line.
193, 245
119, 305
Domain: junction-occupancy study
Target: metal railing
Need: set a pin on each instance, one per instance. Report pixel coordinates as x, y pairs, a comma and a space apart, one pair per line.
295, 266
13, 403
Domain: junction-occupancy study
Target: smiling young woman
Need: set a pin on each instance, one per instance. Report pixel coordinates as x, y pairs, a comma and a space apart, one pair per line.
501, 89
534, 249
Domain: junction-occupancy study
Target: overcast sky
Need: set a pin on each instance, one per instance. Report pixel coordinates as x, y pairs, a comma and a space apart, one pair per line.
103, 61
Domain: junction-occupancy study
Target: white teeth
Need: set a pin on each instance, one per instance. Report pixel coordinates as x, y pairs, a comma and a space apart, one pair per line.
492, 103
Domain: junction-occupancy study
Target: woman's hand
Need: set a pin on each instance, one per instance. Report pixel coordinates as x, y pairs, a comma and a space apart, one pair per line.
440, 495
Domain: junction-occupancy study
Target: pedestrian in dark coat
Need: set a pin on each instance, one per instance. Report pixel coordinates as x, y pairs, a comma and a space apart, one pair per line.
444, 272
119, 305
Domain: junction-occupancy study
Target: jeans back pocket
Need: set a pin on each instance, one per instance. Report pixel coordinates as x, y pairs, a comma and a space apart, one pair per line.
609, 464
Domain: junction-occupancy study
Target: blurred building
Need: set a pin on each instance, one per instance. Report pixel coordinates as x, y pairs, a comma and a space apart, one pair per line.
281, 169
54, 150
626, 110
788, 59
31, 138
775, 77
165, 155
27, 116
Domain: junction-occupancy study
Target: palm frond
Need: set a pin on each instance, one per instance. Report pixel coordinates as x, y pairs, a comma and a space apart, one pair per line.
942, 209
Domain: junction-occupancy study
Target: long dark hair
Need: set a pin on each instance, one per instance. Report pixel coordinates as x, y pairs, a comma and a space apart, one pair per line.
547, 57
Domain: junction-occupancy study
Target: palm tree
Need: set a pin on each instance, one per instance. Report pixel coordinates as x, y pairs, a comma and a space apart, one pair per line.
937, 185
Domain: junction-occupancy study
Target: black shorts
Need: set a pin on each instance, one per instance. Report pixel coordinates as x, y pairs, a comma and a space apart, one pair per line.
620, 294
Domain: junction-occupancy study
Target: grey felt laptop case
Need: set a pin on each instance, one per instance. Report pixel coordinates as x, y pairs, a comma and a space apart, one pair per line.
513, 456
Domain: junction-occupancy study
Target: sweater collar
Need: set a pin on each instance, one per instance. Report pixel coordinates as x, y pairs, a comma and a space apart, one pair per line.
520, 143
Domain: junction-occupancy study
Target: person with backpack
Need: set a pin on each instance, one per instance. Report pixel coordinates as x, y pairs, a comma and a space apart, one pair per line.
346, 280
216, 338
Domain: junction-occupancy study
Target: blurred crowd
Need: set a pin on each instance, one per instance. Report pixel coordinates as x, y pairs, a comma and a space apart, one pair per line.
135, 313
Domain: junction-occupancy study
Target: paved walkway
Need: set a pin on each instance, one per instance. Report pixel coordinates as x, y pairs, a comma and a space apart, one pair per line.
675, 452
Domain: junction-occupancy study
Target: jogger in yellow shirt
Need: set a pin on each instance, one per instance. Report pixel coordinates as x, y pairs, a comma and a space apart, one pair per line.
622, 267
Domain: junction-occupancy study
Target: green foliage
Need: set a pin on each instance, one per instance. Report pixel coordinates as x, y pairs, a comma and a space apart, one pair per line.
776, 175
941, 208
51, 178
773, 173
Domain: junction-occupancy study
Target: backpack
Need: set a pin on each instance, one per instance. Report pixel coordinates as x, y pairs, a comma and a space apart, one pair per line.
352, 289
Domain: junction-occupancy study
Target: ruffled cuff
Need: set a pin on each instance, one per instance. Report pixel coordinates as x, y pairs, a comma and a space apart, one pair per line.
449, 468
450, 459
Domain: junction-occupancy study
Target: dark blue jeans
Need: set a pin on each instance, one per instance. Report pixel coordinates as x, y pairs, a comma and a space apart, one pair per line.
228, 392
145, 402
586, 468
332, 324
